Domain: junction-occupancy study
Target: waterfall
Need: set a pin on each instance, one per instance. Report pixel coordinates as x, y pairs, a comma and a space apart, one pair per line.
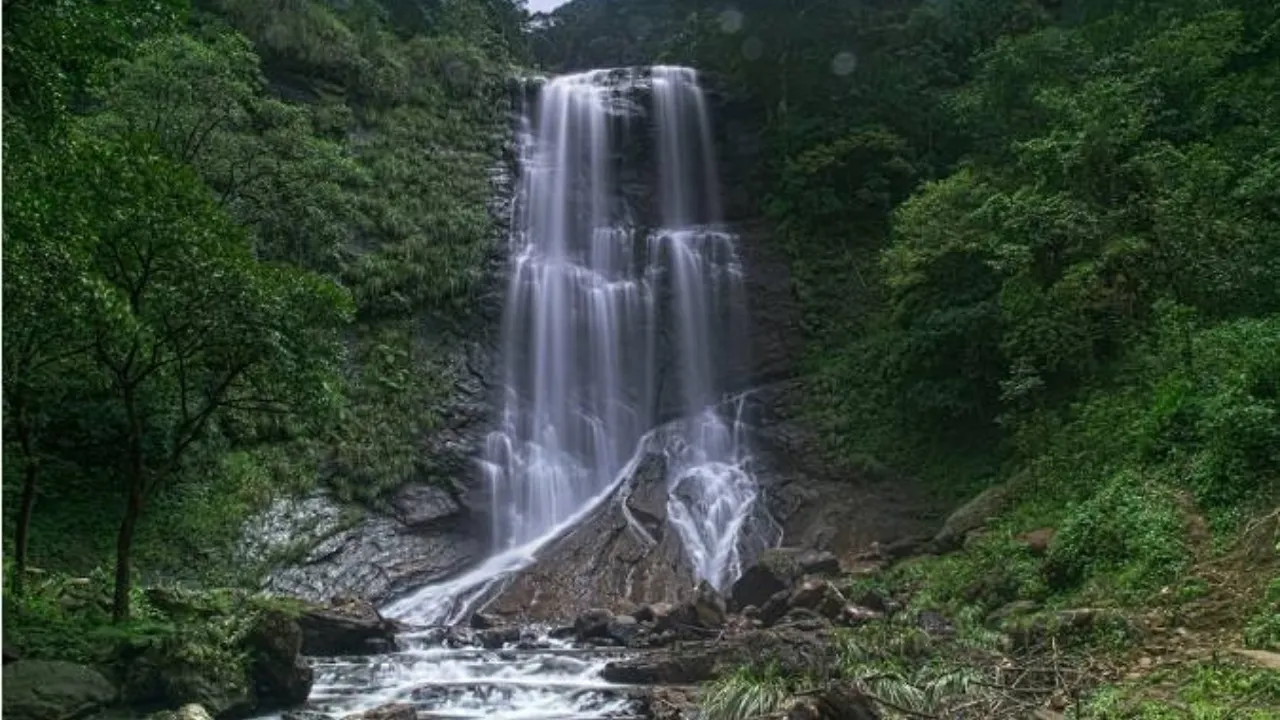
618, 316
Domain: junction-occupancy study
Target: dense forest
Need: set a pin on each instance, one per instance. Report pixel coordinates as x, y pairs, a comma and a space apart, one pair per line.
223, 225
1036, 244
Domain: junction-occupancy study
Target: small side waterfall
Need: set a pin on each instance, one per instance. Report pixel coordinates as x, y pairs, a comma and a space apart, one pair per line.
620, 315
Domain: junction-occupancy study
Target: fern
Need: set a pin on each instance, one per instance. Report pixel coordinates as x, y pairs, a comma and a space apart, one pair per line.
748, 693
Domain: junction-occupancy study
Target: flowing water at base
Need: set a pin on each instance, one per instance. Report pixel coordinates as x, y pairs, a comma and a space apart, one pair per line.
536, 679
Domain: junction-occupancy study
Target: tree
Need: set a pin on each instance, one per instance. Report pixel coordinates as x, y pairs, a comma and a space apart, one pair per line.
43, 335
187, 328
54, 48
203, 103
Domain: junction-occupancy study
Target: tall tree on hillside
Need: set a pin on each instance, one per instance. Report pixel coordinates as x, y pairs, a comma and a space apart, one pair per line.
186, 326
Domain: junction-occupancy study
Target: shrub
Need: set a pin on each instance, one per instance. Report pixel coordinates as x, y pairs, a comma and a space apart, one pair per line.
1129, 535
992, 571
1263, 628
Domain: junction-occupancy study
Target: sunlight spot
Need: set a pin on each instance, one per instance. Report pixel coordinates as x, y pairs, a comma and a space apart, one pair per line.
730, 21
843, 63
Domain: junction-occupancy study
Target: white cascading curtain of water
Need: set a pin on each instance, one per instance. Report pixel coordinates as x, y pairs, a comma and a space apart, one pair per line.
581, 335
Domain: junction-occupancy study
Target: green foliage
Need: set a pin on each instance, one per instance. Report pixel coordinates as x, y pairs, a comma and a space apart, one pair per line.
749, 692
54, 50
377, 440
903, 668
63, 617
1205, 691
1130, 533
993, 571
1263, 628
189, 201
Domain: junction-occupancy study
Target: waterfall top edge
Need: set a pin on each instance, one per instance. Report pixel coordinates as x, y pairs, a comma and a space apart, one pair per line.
632, 73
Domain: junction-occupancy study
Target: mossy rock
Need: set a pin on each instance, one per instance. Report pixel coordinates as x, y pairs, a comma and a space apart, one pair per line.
971, 516
54, 690
1066, 628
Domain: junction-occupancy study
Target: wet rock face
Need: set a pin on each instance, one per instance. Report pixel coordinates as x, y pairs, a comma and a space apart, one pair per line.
378, 556
773, 573
607, 562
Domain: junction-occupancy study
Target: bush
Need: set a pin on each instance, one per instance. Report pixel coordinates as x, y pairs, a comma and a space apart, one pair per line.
1263, 628
61, 617
1129, 536
1204, 692
993, 571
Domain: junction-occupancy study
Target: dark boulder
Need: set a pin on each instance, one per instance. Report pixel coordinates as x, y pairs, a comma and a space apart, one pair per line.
818, 562
592, 624
935, 624
1038, 540
281, 677
189, 667
793, 651
683, 668
496, 638
481, 621
347, 626
775, 607
625, 629
803, 619
775, 571
53, 690
970, 517
707, 607
819, 596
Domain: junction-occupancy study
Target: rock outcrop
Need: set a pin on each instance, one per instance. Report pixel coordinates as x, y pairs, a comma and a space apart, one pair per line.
835, 701
281, 677
231, 653
794, 651
53, 690
429, 534
622, 555
971, 516
346, 626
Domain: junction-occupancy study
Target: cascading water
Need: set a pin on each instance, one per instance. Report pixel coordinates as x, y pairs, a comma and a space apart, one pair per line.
616, 316
623, 329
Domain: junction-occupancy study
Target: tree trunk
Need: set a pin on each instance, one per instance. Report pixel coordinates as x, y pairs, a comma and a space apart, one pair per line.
132, 509
124, 550
22, 533
30, 474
